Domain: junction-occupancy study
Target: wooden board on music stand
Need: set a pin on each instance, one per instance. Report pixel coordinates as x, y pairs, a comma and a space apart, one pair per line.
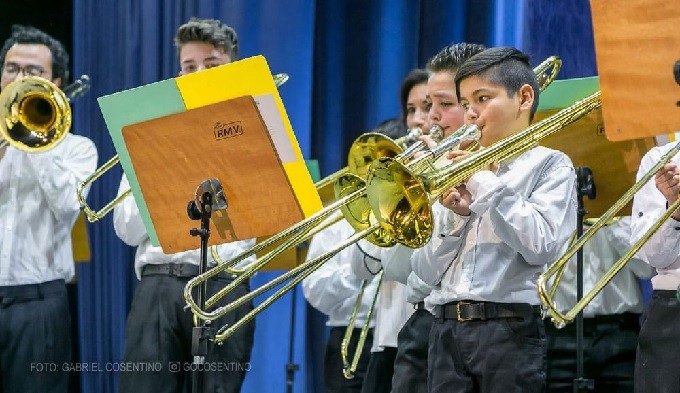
614, 164
636, 45
295, 256
227, 141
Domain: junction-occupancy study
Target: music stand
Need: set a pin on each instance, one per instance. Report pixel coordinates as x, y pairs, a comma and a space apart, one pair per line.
241, 135
174, 134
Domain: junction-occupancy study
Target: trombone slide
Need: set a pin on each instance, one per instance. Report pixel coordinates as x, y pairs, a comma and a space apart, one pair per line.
561, 319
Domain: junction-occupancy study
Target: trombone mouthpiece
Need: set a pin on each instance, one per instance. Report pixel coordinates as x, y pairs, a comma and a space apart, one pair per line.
413, 134
437, 133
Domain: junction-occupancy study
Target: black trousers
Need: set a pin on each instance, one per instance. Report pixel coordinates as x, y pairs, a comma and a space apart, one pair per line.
410, 364
658, 352
334, 380
608, 353
504, 355
35, 338
380, 370
159, 333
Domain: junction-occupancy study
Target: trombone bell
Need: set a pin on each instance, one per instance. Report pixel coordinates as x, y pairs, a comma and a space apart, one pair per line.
35, 114
367, 148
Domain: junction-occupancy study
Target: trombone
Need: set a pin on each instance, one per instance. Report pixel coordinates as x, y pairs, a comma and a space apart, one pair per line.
36, 114
350, 193
561, 319
91, 214
402, 199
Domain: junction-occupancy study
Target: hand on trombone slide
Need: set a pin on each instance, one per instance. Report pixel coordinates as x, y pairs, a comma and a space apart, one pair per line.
457, 199
667, 181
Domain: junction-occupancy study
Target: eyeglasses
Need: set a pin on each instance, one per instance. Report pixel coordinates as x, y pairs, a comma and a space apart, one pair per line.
10, 70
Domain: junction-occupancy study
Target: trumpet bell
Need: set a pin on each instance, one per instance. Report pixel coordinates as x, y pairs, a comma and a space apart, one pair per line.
35, 114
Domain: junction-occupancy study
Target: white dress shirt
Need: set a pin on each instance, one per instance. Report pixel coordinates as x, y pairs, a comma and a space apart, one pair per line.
662, 250
333, 288
130, 228
622, 294
38, 207
521, 218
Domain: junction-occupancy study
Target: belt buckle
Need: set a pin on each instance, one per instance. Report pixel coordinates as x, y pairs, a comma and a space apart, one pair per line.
175, 269
458, 316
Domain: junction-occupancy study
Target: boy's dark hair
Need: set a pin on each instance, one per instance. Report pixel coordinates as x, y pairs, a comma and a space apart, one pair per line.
30, 35
394, 128
210, 31
503, 66
453, 56
415, 77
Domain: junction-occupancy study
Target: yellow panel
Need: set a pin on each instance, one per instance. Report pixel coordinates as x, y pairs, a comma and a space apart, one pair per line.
252, 77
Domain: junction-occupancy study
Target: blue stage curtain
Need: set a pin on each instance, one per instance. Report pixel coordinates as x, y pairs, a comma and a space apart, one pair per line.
563, 28
345, 59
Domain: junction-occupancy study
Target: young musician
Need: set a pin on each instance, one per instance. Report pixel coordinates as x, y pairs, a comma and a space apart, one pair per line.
505, 223
38, 207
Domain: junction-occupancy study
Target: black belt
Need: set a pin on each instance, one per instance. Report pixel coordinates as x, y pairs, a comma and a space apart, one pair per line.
664, 293
479, 311
419, 306
180, 270
28, 292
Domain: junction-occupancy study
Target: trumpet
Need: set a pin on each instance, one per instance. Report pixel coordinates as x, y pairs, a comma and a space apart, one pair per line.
96, 215
351, 199
36, 114
560, 319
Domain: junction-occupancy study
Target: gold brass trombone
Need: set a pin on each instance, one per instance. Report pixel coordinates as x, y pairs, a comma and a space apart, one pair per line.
561, 319
401, 199
35, 114
97, 215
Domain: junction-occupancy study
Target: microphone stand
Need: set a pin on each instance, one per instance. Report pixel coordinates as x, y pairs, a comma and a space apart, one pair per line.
585, 186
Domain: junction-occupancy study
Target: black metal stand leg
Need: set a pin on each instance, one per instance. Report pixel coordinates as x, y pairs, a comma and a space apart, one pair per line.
203, 333
291, 366
585, 188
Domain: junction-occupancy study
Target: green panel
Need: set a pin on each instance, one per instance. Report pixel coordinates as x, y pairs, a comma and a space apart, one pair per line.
313, 168
563, 93
134, 106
